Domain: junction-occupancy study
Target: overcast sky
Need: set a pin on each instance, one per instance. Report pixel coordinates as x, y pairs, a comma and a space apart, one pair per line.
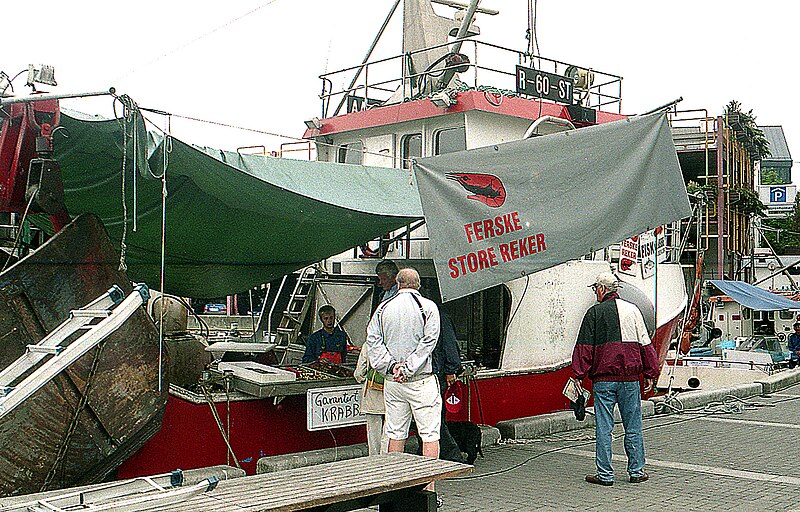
255, 63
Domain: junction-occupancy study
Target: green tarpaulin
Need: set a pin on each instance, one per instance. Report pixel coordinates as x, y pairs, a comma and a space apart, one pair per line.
232, 220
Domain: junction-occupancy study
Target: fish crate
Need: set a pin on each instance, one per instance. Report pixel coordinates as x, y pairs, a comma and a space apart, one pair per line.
256, 373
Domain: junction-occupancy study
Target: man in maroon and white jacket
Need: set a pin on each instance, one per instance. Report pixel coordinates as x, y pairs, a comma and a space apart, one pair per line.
613, 349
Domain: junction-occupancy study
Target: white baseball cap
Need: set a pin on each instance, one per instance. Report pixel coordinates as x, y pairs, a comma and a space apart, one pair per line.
607, 280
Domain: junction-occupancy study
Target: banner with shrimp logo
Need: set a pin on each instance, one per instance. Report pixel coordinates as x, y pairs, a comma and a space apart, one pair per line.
501, 212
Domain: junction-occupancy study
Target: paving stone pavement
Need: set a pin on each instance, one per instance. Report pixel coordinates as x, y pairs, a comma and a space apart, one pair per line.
703, 461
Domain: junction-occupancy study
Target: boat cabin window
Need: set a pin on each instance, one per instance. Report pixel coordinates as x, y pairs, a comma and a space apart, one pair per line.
450, 140
479, 320
352, 153
745, 313
410, 147
786, 315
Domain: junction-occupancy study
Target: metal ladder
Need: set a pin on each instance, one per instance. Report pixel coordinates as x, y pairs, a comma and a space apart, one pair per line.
139, 494
110, 309
296, 310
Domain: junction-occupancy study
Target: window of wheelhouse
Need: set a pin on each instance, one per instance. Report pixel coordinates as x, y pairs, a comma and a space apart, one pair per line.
352, 153
410, 147
450, 140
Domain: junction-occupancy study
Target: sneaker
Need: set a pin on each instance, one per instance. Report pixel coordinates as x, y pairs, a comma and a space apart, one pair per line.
439, 501
639, 479
594, 479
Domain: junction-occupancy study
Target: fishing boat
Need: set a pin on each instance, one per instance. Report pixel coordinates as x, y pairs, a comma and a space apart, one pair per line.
516, 337
314, 231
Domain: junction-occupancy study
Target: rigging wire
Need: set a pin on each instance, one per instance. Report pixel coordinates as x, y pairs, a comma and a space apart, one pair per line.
531, 34
196, 39
256, 130
167, 147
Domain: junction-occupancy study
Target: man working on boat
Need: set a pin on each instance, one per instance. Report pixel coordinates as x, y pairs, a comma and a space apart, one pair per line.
387, 277
613, 349
330, 342
794, 346
401, 336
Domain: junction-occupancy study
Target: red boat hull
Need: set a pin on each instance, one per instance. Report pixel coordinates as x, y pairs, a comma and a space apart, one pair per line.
189, 437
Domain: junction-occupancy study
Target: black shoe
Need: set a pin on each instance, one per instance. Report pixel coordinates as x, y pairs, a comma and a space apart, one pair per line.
579, 408
639, 479
594, 479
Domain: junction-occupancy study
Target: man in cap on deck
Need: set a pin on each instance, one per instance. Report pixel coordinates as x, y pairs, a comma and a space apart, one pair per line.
613, 349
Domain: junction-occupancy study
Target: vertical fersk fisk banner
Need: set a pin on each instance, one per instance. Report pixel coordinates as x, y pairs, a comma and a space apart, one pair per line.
501, 212
647, 254
652, 250
628, 255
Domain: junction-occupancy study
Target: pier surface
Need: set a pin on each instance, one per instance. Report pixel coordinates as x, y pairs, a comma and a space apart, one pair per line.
701, 460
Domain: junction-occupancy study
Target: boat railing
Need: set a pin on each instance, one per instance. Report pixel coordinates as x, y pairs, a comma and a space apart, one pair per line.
298, 150
377, 81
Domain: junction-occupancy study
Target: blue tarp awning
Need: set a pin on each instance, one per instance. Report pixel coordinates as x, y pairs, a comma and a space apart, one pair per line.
754, 297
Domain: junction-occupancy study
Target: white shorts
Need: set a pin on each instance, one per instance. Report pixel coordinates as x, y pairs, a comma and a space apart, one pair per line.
419, 398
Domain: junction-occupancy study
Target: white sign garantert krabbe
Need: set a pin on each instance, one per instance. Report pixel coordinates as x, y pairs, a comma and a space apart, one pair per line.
334, 407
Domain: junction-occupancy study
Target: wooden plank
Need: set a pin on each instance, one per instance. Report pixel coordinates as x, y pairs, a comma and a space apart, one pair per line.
336, 474
392, 474
322, 485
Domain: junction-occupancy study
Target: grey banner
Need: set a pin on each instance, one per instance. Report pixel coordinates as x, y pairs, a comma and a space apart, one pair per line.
500, 212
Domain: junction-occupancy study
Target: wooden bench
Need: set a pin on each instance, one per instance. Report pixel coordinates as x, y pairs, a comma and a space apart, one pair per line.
393, 481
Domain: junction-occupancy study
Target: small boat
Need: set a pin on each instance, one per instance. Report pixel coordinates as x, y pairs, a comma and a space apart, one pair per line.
79, 426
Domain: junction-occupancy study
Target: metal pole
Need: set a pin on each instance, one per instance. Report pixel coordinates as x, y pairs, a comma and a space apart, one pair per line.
664, 106
46, 97
366, 57
462, 32
721, 146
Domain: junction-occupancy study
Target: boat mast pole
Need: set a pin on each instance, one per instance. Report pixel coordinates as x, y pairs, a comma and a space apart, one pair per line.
462, 32
366, 58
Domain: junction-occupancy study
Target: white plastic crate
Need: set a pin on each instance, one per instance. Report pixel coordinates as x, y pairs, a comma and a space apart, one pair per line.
256, 372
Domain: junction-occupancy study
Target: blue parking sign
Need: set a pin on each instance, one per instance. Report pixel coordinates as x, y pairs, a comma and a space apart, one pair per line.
777, 194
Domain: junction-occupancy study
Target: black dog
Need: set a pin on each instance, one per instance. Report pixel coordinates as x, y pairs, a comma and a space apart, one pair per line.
468, 438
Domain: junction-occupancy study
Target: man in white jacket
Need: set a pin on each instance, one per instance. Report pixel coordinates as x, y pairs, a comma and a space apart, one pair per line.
401, 337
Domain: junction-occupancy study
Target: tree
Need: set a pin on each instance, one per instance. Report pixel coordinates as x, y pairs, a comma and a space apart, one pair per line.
748, 133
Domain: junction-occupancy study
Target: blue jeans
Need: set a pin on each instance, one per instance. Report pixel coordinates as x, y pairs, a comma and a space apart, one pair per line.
627, 396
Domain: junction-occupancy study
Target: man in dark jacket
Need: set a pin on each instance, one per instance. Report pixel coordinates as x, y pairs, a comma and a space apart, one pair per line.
446, 366
794, 345
613, 349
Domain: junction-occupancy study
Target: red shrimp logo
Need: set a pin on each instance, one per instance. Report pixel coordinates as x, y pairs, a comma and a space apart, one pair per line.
486, 188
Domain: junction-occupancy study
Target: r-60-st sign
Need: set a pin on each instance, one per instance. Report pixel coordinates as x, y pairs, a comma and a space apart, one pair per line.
544, 85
